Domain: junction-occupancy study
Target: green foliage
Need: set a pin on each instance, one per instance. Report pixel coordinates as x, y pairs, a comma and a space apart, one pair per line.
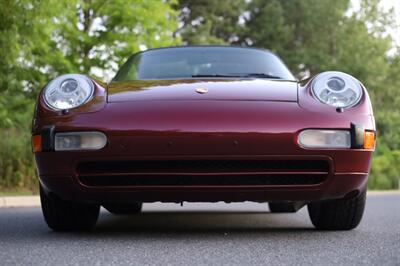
267, 27
210, 22
24, 28
16, 161
102, 34
385, 171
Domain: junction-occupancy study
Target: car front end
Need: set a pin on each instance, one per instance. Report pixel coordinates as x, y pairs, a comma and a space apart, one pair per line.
205, 139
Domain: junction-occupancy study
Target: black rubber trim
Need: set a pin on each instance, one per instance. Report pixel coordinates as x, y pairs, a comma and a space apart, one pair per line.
200, 166
201, 180
357, 136
48, 133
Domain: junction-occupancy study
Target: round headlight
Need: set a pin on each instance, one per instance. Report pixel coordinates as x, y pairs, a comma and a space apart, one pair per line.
337, 89
68, 91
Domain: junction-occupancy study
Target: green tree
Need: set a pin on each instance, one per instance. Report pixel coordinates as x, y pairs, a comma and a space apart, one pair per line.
99, 34
210, 22
25, 28
267, 27
318, 35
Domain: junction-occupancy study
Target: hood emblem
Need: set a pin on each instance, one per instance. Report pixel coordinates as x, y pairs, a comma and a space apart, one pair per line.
201, 90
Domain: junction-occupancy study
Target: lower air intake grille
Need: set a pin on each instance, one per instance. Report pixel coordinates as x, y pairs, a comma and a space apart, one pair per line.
203, 173
208, 180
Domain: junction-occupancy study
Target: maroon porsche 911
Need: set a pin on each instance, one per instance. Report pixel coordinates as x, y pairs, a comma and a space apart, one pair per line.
203, 124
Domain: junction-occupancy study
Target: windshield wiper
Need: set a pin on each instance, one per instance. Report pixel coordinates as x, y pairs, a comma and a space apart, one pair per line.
215, 76
259, 75
238, 75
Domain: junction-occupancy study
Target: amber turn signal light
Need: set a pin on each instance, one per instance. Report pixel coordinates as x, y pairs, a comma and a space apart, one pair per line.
369, 140
36, 143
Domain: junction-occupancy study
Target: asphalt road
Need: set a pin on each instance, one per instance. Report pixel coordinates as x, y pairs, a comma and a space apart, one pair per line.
204, 234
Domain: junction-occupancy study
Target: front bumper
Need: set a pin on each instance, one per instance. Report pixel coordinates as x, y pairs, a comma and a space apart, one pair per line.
204, 131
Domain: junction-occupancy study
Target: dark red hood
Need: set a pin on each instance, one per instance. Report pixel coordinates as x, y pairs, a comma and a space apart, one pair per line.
218, 89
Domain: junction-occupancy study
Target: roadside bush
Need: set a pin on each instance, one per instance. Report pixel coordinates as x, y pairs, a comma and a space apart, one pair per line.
385, 171
17, 170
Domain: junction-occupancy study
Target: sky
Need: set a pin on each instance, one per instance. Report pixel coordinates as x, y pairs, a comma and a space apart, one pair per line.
396, 5
388, 4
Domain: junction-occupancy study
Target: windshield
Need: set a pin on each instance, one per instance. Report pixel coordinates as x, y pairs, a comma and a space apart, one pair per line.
194, 62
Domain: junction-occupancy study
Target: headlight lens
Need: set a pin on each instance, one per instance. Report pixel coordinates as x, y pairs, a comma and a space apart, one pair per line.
337, 89
68, 91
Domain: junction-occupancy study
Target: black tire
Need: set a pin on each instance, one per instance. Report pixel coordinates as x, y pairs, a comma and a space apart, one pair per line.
123, 208
61, 215
340, 214
281, 207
